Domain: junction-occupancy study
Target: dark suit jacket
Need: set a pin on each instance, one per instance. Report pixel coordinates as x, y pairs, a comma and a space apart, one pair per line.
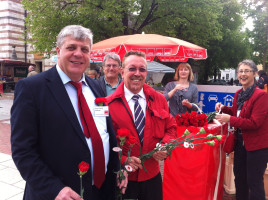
102, 84
48, 142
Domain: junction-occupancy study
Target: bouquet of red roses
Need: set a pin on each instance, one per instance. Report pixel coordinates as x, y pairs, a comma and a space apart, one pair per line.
191, 119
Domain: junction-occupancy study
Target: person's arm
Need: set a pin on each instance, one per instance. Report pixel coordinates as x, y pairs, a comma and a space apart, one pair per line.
253, 120
194, 99
170, 126
170, 91
25, 132
257, 117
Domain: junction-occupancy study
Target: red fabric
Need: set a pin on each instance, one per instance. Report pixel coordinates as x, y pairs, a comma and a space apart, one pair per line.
159, 125
252, 119
88, 121
1, 88
192, 173
229, 143
167, 49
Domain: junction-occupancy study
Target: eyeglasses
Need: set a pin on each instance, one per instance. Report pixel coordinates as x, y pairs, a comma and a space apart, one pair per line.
134, 69
113, 66
245, 71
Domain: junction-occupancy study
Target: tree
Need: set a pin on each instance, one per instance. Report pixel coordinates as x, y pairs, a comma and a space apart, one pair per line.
233, 47
192, 20
258, 11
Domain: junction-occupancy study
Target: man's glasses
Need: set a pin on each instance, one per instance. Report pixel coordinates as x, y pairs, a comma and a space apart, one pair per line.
134, 69
113, 66
245, 71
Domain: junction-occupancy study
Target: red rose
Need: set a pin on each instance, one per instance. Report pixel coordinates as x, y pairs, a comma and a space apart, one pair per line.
83, 167
100, 100
123, 132
131, 140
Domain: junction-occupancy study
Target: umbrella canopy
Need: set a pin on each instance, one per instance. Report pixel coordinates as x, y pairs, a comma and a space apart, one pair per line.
167, 49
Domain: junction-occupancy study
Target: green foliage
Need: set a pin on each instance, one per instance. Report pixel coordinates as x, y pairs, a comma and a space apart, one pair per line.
192, 20
234, 45
258, 11
213, 24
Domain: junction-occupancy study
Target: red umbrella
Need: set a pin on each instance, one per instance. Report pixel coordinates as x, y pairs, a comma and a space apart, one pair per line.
167, 49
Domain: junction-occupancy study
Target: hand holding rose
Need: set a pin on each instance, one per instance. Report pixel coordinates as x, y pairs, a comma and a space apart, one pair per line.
160, 155
135, 163
223, 118
123, 183
218, 106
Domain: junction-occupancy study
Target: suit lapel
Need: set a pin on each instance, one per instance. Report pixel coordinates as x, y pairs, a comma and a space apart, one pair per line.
92, 85
60, 94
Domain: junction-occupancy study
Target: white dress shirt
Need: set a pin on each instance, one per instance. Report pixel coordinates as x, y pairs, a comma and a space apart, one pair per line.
99, 121
131, 102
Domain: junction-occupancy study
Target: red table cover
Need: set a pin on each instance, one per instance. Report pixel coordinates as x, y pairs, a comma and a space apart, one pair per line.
1, 88
197, 173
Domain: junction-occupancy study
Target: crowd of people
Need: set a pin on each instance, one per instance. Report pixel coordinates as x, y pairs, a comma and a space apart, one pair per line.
54, 126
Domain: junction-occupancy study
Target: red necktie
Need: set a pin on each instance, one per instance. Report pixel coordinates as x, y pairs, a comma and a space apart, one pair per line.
88, 121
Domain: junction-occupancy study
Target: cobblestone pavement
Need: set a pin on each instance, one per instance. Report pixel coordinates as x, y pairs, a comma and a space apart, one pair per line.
11, 183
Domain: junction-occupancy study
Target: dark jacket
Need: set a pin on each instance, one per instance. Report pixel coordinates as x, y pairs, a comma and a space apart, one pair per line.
262, 81
47, 140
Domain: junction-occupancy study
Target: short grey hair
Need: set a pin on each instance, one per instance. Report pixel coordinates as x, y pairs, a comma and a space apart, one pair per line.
249, 63
75, 31
113, 56
133, 53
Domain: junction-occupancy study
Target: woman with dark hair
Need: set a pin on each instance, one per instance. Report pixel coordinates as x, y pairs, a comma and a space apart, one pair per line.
181, 93
249, 117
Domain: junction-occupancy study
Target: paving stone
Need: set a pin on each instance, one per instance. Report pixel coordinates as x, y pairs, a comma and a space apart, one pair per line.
9, 191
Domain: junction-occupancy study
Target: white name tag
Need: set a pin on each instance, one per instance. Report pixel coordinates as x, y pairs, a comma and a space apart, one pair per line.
101, 111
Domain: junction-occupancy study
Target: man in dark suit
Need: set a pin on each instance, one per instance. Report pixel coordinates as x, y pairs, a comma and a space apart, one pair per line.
47, 134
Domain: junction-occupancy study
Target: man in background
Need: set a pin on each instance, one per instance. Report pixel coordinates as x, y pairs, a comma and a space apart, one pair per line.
31, 71
111, 68
92, 73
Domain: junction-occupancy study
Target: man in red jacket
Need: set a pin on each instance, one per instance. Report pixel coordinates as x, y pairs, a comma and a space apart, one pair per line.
139, 108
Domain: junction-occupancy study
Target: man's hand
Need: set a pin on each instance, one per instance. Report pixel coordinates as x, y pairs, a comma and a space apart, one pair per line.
135, 163
67, 194
123, 184
160, 155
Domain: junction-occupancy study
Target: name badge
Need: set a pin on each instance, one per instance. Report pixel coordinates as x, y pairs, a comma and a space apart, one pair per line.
101, 111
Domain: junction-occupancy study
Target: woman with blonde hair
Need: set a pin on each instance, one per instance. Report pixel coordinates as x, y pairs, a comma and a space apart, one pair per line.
181, 93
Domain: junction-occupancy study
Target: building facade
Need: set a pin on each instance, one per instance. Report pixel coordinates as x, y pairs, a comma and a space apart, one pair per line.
12, 26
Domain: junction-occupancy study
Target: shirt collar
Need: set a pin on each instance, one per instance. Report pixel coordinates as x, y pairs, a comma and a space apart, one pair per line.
106, 83
129, 94
65, 79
